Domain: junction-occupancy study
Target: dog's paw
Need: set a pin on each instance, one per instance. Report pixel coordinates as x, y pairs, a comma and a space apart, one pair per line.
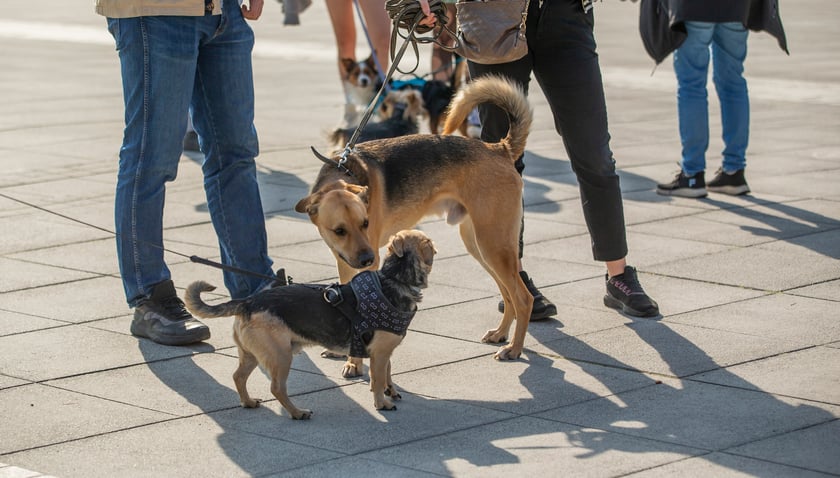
494, 336
392, 392
252, 403
330, 354
385, 405
507, 353
302, 414
350, 370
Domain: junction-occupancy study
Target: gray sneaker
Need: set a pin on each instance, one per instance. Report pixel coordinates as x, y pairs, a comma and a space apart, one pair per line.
163, 318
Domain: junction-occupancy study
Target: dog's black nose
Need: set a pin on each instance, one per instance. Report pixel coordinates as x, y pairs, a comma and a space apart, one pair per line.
366, 258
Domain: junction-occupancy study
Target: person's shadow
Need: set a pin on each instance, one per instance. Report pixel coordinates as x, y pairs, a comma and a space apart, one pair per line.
792, 224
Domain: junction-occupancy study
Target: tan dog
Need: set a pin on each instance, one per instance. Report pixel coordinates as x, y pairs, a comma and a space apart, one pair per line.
393, 183
367, 317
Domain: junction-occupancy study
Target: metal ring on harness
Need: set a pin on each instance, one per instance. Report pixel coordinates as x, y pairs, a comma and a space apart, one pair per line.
332, 294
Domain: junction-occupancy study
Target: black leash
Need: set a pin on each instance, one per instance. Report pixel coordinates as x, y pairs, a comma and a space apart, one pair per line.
199, 260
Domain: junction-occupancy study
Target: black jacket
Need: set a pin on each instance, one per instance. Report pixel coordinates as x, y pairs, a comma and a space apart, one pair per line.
662, 27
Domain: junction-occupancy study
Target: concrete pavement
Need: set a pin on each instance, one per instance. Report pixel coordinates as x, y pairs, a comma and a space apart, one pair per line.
741, 375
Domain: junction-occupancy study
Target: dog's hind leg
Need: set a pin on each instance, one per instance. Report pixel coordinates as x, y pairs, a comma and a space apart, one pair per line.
247, 364
279, 372
497, 252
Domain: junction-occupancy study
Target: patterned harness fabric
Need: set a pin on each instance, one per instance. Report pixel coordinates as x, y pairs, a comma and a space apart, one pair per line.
374, 312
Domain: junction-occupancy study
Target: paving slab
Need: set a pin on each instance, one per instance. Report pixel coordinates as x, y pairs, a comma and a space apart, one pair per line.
679, 412
42, 415
197, 445
77, 349
530, 446
725, 465
799, 321
664, 348
791, 374
339, 414
534, 384
816, 446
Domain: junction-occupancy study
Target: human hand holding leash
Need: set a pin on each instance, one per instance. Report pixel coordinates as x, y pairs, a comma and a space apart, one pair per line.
430, 20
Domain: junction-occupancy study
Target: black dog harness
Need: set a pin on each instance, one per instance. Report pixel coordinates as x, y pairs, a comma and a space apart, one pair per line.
371, 310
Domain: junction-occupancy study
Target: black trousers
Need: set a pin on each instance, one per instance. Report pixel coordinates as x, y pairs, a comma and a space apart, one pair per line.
564, 62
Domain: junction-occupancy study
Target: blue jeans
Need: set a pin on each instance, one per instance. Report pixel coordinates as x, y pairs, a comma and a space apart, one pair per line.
171, 65
728, 43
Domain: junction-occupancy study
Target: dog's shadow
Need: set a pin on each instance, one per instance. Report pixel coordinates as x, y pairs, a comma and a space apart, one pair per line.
219, 402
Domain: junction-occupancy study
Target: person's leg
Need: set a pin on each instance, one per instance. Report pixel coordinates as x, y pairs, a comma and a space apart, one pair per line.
691, 66
495, 124
157, 57
729, 50
379, 30
343, 22
566, 66
442, 59
223, 105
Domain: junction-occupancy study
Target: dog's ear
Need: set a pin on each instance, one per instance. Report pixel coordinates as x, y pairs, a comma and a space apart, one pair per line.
347, 65
309, 204
361, 191
427, 251
371, 63
396, 245
416, 104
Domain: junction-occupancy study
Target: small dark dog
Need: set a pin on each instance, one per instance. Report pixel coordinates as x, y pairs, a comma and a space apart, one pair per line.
438, 95
402, 110
368, 316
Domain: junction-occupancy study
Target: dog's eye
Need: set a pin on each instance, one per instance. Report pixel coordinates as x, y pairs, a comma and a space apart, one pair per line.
365, 224
340, 231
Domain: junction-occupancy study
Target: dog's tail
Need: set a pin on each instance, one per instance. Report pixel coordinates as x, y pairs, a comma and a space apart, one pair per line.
501, 92
199, 308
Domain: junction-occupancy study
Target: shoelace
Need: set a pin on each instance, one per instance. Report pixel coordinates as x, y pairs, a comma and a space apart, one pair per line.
176, 309
628, 287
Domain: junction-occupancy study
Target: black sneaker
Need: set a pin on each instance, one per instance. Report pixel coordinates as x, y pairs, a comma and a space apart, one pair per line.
684, 186
729, 183
543, 308
163, 318
626, 294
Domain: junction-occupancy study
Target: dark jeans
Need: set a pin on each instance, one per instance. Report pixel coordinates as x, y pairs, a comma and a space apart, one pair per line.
563, 59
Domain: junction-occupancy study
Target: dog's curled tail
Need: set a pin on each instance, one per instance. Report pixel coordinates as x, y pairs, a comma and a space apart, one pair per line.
199, 308
501, 92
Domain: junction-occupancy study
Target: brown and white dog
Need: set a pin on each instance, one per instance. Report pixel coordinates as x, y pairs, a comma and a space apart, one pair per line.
360, 81
369, 316
390, 184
